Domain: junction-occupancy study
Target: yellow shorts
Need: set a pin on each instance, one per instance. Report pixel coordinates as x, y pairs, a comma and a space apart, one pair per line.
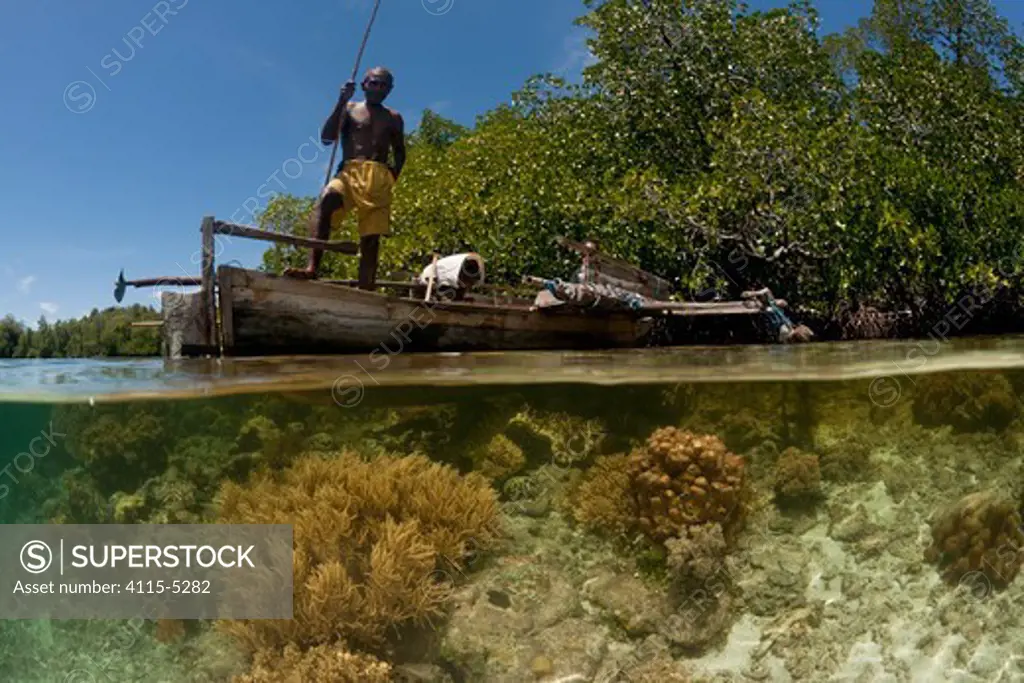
366, 187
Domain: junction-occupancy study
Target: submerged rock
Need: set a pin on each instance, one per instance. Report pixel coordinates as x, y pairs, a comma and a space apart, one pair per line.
797, 479
854, 527
510, 616
627, 602
542, 666
968, 402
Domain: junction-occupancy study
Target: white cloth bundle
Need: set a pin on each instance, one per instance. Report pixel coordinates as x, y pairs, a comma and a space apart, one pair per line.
469, 266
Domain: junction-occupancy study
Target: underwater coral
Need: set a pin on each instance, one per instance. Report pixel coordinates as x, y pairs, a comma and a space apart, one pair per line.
980, 534
603, 502
676, 480
377, 543
681, 479
499, 459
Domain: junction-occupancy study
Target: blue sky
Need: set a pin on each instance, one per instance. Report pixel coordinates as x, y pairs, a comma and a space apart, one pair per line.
127, 121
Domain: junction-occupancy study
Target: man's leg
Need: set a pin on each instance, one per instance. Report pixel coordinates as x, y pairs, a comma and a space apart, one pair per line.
369, 254
320, 228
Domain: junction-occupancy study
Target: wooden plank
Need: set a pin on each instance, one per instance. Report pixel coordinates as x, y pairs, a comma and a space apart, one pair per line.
384, 284
209, 306
483, 290
227, 320
322, 289
236, 230
183, 333
712, 308
175, 280
148, 323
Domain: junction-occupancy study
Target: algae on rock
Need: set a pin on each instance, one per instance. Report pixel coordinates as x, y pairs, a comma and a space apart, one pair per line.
797, 479
572, 440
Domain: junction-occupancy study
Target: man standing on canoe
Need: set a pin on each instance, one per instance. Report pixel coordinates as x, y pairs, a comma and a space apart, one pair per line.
365, 180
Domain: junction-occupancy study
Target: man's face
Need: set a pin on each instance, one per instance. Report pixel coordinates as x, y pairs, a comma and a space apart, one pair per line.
377, 87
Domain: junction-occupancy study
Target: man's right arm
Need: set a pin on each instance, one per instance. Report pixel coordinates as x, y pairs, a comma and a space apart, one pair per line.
329, 133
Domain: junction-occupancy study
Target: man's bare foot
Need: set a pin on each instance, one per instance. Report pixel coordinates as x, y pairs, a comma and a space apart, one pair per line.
300, 273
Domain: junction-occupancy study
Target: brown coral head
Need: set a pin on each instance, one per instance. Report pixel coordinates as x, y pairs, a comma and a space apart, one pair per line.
681, 479
979, 535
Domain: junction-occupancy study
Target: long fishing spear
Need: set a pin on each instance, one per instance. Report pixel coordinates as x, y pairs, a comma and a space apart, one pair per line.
355, 74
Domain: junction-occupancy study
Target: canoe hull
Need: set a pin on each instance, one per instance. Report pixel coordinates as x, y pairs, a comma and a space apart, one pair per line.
264, 315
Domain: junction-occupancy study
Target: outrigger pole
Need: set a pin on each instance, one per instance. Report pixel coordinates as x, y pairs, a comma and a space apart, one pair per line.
355, 74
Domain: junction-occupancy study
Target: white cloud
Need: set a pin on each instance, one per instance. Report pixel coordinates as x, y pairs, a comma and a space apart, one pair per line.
576, 54
25, 283
48, 308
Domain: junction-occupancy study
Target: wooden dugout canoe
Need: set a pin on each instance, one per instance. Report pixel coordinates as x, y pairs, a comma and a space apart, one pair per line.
263, 315
241, 312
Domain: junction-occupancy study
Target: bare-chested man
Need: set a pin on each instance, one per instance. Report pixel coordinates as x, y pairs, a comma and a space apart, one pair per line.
365, 180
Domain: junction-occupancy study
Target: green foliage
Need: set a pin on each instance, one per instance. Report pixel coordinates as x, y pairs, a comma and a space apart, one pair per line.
289, 215
101, 333
437, 131
728, 149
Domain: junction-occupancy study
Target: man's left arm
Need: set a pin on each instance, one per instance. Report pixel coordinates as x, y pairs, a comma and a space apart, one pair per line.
398, 145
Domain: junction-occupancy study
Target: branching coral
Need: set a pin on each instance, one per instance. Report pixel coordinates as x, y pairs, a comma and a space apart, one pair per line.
371, 540
969, 402
603, 501
322, 664
846, 457
797, 478
499, 459
681, 479
424, 429
979, 534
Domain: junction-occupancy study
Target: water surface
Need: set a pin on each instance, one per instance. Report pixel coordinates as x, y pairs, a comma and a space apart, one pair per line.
73, 380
